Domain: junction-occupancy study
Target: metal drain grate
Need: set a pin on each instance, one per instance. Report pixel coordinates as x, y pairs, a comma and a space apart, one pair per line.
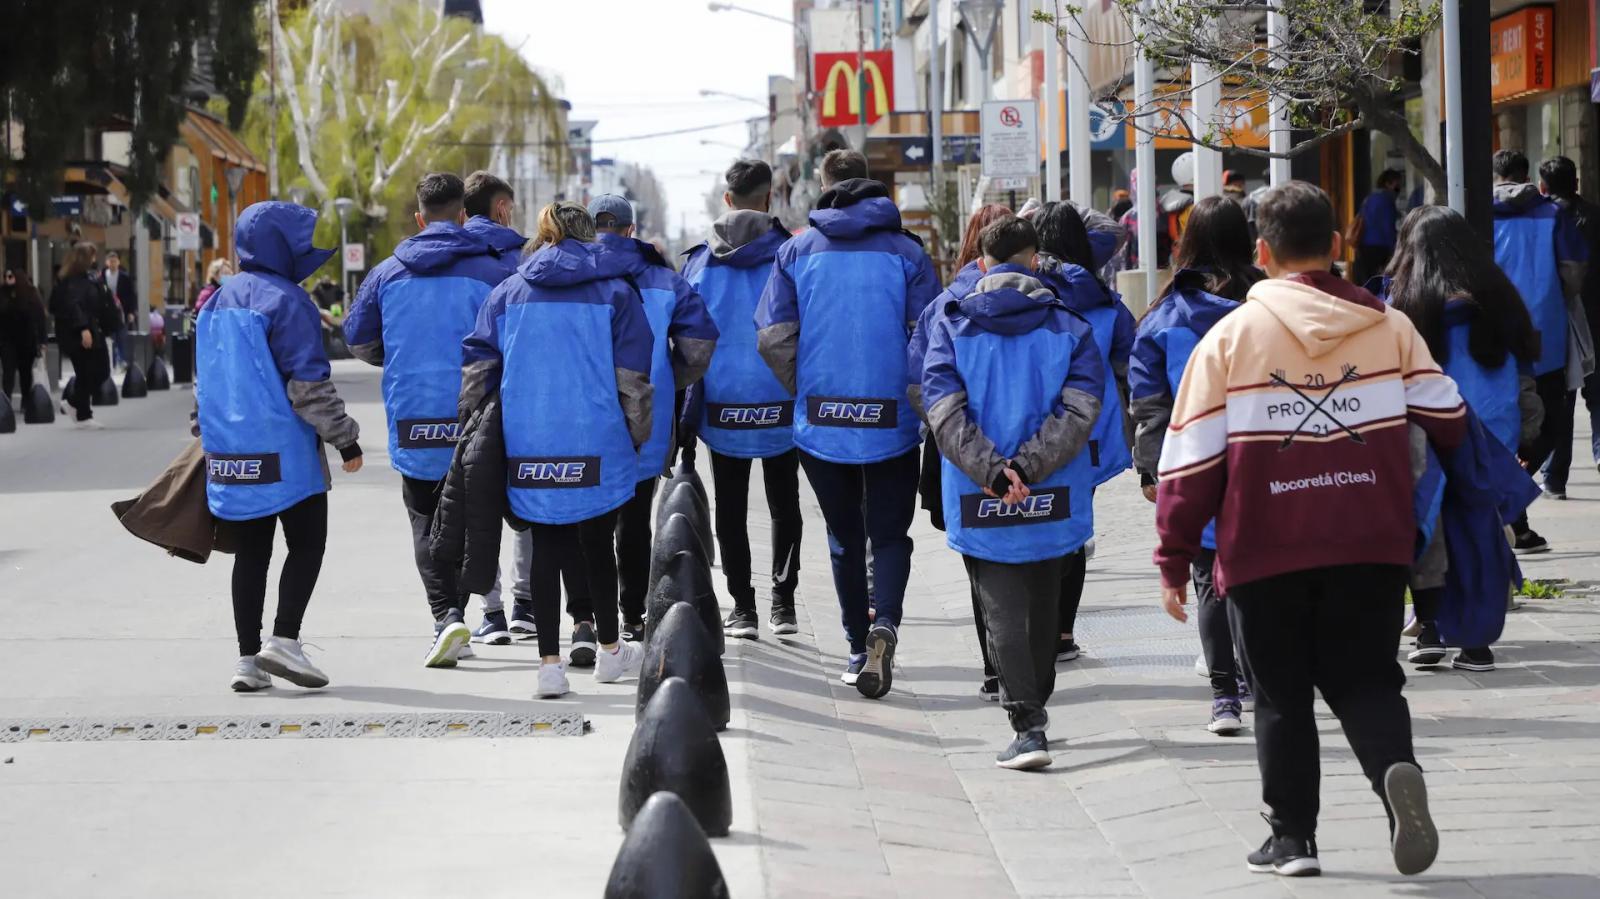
269, 727
1137, 640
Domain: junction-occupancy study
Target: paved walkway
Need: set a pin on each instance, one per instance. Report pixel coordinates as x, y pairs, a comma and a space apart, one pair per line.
835, 796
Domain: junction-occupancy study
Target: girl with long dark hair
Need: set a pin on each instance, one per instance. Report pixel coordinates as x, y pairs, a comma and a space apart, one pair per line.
1213, 271
1444, 278
80, 304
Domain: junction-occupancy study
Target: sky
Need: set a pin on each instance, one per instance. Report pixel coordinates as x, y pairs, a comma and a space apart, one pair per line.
638, 66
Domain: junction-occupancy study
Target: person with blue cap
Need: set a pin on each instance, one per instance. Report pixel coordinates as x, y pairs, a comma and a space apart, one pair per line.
409, 317
683, 340
854, 285
264, 407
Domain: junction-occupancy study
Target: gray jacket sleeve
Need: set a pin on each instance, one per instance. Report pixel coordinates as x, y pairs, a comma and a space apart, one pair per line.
478, 379
1062, 436
1151, 415
1532, 409
691, 356
636, 394
370, 353
779, 346
319, 405
962, 441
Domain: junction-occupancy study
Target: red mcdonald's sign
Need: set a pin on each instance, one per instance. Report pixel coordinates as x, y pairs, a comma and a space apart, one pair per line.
840, 87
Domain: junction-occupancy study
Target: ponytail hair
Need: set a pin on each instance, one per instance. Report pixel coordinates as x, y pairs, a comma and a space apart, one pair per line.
561, 221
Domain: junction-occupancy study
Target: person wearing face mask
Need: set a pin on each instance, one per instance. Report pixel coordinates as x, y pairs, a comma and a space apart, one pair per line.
217, 274
409, 317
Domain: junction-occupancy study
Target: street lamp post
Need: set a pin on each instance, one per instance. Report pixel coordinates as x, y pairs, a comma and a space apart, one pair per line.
981, 17
343, 206
805, 43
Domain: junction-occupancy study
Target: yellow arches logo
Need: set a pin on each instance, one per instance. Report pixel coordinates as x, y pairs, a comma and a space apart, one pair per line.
840, 80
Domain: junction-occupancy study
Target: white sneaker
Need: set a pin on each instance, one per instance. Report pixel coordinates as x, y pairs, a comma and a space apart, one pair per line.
89, 424
1200, 667
446, 644
465, 652
248, 676
1088, 550
287, 659
553, 680
610, 667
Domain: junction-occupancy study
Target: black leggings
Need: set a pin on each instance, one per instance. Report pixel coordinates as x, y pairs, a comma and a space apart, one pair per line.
780, 476
89, 369
554, 544
305, 530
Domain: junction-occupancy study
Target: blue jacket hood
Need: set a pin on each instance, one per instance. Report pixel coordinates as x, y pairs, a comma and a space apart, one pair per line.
1193, 303
275, 237
632, 254
499, 238
745, 238
1009, 300
570, 263
854, 208
966, 279
438, 246
1076, 285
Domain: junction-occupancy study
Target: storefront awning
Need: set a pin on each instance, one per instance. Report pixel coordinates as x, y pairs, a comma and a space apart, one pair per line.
224, 144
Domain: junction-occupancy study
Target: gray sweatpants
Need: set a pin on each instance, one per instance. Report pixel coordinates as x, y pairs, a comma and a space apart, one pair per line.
521, 564
1021, 609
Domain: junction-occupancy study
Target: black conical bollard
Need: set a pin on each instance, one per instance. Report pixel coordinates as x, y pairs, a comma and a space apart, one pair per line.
106, 394
682, 648
157, 377
681, 498
675, 535
686, 580
8, 419
133, 385
37, 408
675, 748
685, 474
665, 856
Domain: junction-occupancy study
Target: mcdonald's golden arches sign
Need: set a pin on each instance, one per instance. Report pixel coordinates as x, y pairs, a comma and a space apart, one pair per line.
840, 87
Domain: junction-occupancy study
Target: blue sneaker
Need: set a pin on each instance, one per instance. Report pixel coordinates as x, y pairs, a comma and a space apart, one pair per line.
852, 669
522, 626
1247, 698
493, 630
1225, 716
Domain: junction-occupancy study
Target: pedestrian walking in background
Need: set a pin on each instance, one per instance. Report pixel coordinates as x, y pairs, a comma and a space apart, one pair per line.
683, 338
567, 344
265, 405
84, 315
1538, 246
1291, 430
409, 317
746, 413
1477, 329
217, 274
158, 333
1213, 271
1558, 179
855, 284
24, 331
1374, 227
119, 284
1012, 381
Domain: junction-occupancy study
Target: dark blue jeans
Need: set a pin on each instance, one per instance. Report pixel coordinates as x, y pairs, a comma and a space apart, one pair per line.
864, 505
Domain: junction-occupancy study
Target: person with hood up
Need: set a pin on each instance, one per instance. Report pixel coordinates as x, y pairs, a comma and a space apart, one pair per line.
1215, 270
265, 404
1067, 266
1012, 382
747, 414
1292, 429
683, 339
409, 317
1538, 245
854, 285
567, 344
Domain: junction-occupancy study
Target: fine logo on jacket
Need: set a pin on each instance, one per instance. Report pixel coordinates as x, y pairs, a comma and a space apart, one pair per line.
544, 472
750, 416
427, 433
979, 510
852, 412
243, 468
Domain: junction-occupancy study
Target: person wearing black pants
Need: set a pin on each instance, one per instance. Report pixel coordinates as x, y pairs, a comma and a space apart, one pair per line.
305, 531
554, 544
1554, 433
445, 599
1074, 569
1216, 643
633, 557
780, 476
1019, 604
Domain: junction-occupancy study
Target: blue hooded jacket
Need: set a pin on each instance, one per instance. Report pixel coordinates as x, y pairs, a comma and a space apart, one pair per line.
505, 244
834, 321
1109, 453
262, 391
683, 336
745, 412
1165, 338
1012, 374
1535, 241
567, 344
409, 317
965, 281
1493, 394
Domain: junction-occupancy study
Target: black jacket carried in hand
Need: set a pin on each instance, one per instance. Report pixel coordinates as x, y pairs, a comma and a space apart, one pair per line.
472, 501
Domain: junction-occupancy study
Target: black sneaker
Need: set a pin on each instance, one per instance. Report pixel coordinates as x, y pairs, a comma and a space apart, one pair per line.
1529, 543
522, 626
633, 631
878, 674
1028, 751
584, 644
1474, 660
1415, 841
1286, 856
989, 690
742, 623
782, 621
1430, 647
1066, 649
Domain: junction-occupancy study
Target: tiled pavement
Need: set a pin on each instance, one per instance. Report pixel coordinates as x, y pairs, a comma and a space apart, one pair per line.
901, 797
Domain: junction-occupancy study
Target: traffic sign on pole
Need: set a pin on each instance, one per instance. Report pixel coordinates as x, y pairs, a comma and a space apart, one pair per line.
355, 257
188, 228
1010, 131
